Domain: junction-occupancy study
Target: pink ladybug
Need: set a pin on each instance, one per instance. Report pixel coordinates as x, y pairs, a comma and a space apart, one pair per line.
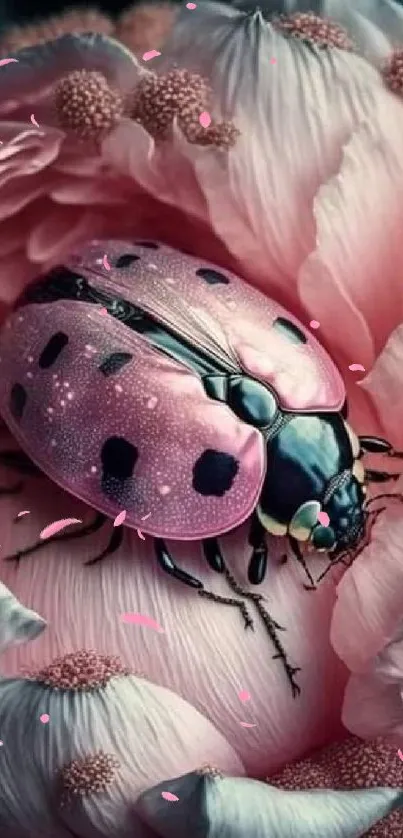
196, 399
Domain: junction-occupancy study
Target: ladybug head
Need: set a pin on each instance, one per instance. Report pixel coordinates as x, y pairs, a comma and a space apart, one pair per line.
337, 524
344, 507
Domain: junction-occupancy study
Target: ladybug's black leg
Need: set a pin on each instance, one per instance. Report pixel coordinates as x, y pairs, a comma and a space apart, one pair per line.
87, 529
11, 490
167, 563
258, 561
300, 558
380, 476
213, 555
112, 546
18, 461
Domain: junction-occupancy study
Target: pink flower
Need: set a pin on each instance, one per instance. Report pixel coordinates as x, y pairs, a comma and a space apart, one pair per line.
67, 180
299, 188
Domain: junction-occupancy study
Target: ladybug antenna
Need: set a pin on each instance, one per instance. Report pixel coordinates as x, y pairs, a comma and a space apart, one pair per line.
339, 560
386, 496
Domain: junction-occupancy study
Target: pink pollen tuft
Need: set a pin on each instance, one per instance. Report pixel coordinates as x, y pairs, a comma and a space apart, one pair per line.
81, 671
209, 771
393, 72
159, 99
86, 106
92, 775
308, 27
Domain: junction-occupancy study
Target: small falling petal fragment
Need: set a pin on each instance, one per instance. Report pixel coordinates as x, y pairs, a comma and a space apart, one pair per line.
103, 311
314, 324
205, 119
140, 535
191, 6
1, 743
45, 718
56, 526
33, 120
246, 724
167, 795
106, 263
356, 368
24, 512
5, 61
142, 620
152, 53
400, 755
243, 695
119, 519
144, 518
324, 519
273, 61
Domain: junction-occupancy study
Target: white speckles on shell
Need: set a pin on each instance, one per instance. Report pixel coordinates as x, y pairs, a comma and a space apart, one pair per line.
172, 435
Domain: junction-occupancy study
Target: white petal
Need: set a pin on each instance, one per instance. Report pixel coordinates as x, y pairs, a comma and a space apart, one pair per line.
18, 624
235, 808
295, 117
147, 728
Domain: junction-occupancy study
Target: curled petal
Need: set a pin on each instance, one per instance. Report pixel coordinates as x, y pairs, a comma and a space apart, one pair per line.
384, 384
220, 807
38, 67
17, 623
373, 702
109, 737
345, 264
369, 607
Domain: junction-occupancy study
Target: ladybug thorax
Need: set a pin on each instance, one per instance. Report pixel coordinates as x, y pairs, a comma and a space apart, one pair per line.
313, 468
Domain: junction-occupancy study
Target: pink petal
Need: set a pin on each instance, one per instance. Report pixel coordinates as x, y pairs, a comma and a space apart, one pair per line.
369, 608
347, 273
57, 526
76, 191
5, 61
58, 232
373, 705
385, 384
39, 66
167, 795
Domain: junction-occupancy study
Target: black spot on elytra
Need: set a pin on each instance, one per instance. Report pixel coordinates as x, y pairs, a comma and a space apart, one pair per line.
150, 245
118, 458
126, 260
18, 400
214, 473
114, 362
212, 277
289, 330
52, 350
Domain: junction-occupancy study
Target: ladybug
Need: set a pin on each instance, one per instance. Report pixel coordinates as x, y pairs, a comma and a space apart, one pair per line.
161, 384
